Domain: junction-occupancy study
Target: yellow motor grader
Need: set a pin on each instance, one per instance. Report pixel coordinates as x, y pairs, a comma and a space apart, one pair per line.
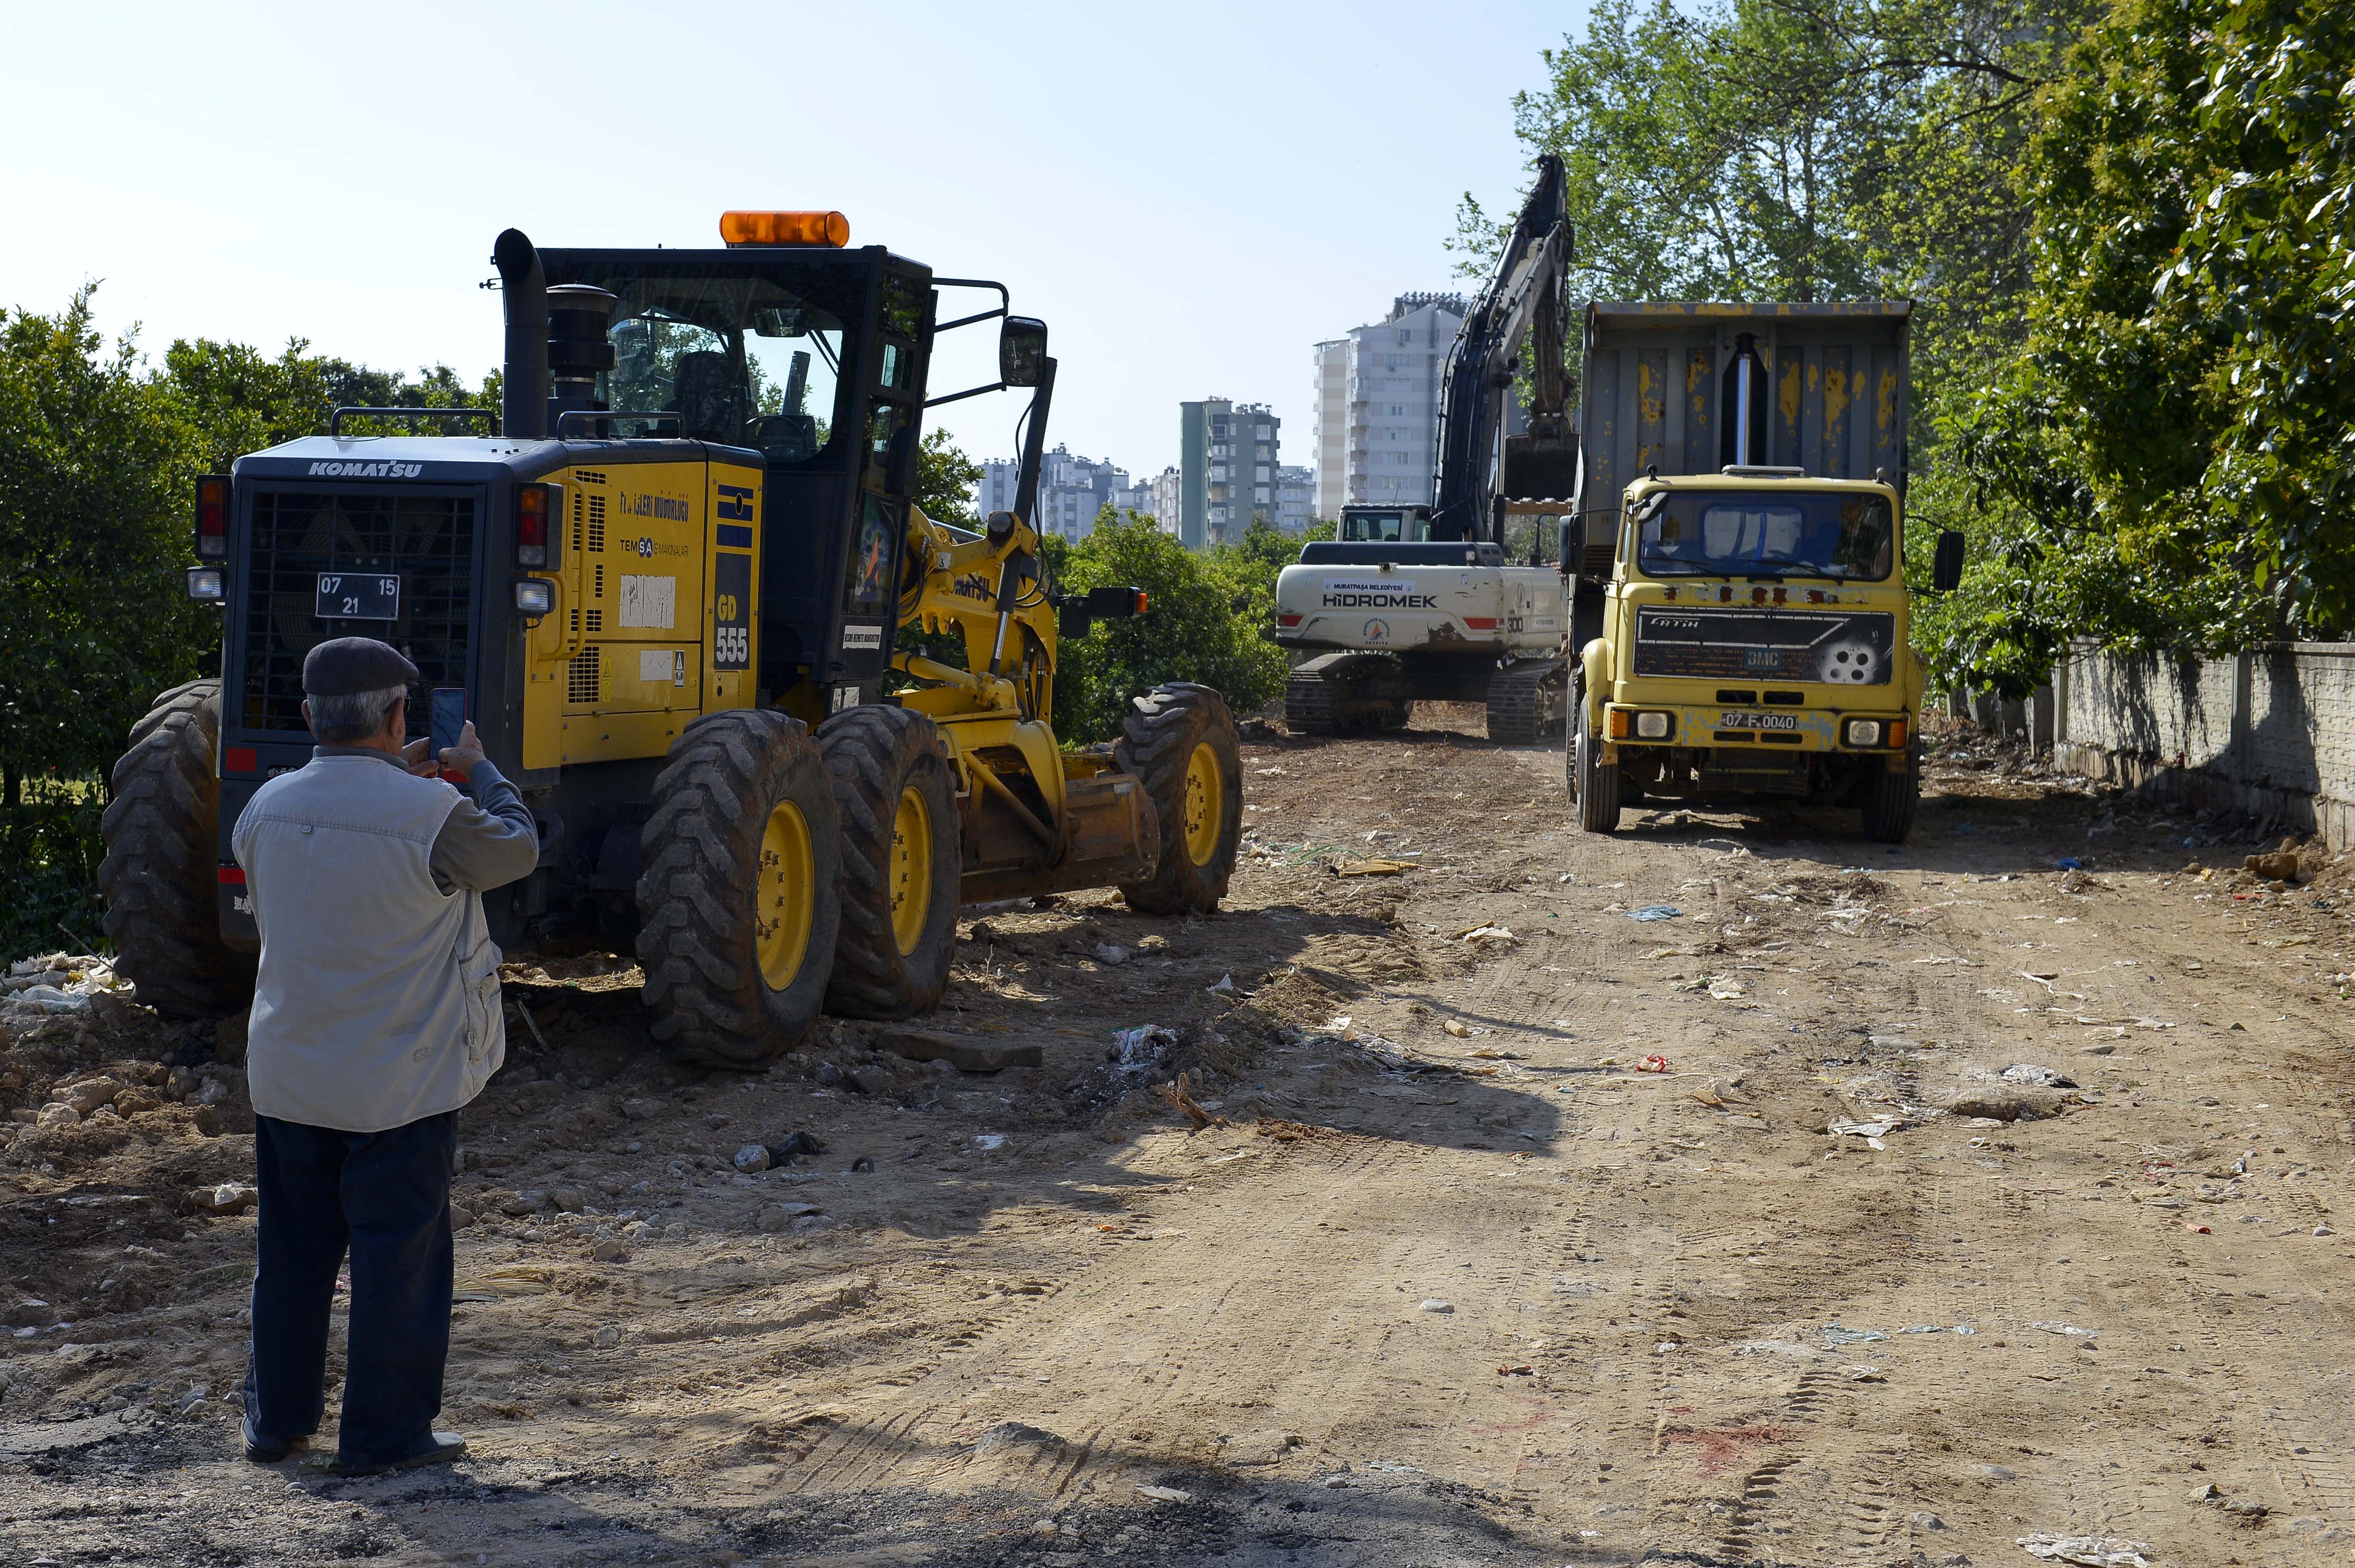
671, 582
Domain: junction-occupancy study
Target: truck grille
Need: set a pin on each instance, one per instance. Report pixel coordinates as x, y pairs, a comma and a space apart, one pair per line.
428, 541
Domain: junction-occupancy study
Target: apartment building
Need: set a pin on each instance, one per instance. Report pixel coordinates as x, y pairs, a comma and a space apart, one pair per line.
1377, 391
1295, 500
1072, 491
1227, 462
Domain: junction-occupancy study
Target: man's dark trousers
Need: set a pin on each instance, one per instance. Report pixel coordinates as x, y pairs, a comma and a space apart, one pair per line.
387, 1197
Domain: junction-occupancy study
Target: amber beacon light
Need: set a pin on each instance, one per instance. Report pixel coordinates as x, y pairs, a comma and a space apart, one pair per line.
784, 229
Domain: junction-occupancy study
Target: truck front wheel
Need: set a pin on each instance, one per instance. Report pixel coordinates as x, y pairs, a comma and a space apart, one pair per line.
1594, 782
1890, 800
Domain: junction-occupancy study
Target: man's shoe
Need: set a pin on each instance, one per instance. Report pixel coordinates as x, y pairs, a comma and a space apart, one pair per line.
260, 1450
440, 1447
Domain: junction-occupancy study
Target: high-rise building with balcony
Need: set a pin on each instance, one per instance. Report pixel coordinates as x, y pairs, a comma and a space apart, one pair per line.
1377, 393
1226, 463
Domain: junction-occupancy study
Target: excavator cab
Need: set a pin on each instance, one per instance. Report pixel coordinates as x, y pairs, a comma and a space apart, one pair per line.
1385, 525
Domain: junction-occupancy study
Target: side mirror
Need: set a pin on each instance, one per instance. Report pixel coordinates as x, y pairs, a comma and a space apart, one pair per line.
1947, 568
1021, 350
1573, 543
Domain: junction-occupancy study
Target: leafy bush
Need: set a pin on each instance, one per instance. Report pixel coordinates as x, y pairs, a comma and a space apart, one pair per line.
1205, 621
49, 851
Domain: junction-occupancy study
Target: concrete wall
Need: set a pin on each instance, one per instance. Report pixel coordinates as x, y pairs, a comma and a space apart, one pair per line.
2270, 733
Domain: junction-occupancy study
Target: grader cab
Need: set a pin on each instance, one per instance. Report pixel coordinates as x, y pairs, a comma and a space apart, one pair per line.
671, 584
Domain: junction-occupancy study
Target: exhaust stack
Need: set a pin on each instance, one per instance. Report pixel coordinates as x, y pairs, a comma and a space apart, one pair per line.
523, 395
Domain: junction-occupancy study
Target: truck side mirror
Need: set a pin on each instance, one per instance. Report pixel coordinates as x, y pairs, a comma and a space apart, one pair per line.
1946, 567
1021, 350
1573, 543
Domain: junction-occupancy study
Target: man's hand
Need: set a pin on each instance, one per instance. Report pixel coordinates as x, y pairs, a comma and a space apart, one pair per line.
413, 757
461, 758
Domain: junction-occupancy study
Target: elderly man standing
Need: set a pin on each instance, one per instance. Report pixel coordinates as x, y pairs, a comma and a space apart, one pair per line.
376, 1016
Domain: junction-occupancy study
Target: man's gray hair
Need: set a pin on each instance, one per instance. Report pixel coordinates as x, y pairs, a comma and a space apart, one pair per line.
354, 717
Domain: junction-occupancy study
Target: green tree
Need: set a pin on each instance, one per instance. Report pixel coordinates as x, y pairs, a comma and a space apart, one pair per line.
1203, 622
95, 467
945, 478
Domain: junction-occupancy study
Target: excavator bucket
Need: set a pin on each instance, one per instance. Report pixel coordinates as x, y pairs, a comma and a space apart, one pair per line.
1541, 467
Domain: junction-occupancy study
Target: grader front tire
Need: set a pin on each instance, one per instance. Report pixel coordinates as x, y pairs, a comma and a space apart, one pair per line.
740, 899
1181, 740
900, 862
160, 876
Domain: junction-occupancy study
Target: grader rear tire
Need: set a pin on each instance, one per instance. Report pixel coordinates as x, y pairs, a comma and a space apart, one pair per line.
160, 877
1181, 741
900, 862
740, 899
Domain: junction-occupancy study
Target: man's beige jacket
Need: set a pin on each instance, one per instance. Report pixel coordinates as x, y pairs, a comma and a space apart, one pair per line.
378, 1002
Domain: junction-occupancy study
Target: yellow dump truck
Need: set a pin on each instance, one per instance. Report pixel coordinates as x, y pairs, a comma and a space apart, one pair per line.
1736, 561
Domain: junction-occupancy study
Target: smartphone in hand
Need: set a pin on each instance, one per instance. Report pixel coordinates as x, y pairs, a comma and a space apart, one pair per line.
449, 724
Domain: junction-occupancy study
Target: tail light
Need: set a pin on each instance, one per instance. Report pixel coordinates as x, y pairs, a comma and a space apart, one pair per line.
534, 534
212, 517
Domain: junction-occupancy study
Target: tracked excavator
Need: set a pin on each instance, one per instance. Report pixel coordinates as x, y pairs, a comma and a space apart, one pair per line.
1411, 604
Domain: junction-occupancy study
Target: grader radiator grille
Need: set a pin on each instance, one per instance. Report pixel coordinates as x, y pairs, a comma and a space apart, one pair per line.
427, 540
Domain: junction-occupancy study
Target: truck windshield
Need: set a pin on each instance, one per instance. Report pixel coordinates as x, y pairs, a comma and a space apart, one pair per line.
1720, 533
749, 353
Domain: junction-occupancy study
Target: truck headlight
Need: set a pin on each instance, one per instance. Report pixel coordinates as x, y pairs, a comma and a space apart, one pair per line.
534, 597
1862, 733
205, 583
1654, 726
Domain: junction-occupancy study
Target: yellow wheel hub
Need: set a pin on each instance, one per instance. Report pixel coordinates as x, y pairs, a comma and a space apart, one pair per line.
910, 870
1205, 807
784, 896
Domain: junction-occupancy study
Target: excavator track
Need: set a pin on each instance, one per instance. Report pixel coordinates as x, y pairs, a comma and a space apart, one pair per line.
1525, 701
1336, 693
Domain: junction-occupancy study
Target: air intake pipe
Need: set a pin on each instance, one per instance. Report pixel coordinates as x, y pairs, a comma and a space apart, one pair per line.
523, 292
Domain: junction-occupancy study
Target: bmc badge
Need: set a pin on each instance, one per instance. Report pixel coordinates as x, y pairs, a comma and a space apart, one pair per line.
1378, 631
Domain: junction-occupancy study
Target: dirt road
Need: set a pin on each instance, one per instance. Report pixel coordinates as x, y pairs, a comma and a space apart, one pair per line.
1453, 1278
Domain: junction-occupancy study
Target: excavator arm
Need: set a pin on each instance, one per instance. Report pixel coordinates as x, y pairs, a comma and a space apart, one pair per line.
1525, 300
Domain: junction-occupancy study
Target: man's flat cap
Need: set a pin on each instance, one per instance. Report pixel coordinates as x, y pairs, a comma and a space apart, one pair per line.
342, 666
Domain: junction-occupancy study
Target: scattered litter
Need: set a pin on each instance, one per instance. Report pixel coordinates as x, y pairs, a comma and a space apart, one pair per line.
2087, 1551
1225, 988
1871, 1132
1372, 868
2042, 1077
1836, 1333
1435, 1305
1140, 1049
1488, 1054
1490, 933
1165, 1494
1523, 1370
2068, 863
1653, 1064
1392, 1467
2068, 1328
1864, 1374
2197, 1230
1790, 1348
1656, 912
1458, 1030
989, 1140
1938, 1328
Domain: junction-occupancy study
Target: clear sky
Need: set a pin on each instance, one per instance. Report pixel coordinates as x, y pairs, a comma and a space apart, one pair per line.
1190, 194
